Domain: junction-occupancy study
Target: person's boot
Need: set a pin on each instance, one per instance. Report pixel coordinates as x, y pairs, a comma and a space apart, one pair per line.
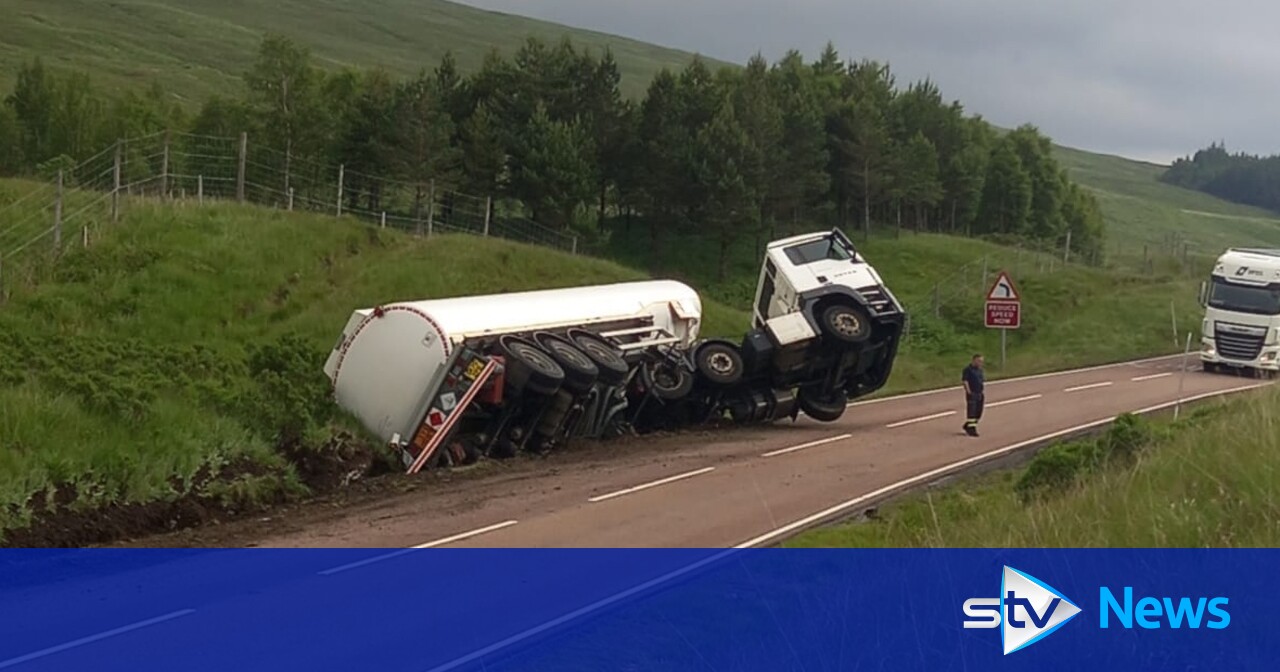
970, 430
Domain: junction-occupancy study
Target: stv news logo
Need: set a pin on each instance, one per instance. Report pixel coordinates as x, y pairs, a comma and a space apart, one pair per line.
1027, 610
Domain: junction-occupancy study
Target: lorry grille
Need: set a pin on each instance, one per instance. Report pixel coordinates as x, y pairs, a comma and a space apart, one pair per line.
1237, 345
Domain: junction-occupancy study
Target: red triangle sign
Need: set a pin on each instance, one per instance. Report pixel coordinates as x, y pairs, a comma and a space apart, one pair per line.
1003, 289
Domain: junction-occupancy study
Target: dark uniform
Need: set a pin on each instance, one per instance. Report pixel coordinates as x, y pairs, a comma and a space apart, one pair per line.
974, 382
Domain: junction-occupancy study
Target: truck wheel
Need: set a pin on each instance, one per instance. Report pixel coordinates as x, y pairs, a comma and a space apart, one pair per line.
666, 381
845, 323
613, 369
719, 362
823, 409
543, 375
580, 372
1209, 367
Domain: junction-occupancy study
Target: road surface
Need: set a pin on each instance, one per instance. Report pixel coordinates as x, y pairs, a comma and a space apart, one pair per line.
753, 486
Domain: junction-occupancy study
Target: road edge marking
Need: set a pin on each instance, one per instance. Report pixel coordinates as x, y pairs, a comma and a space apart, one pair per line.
976, 459
430, 544
651, 484
95, 638
811, 444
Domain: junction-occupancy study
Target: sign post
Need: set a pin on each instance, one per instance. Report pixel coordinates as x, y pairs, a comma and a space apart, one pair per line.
1003, 310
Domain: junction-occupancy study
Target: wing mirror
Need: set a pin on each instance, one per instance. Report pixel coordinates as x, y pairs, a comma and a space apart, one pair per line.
1204, 294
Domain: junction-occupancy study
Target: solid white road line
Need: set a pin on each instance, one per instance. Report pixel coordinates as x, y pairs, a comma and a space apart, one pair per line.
654, 484
811, 444
94, 638
1153, 376
913, 421
1090, 386
1002, 381
1006, 402
773, 534
960, 464
429, 544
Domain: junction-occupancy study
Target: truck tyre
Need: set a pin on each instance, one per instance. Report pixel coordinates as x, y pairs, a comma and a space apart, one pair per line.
613, 369
666, 380
719, 363
539, 371
823, 409
1209, 367
845, 323
580, 372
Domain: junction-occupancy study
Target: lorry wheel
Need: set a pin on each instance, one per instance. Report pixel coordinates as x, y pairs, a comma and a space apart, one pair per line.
719, 362
613, 369
823, 409
1209, 367
845, 323
666, 381
580, 372
544, 376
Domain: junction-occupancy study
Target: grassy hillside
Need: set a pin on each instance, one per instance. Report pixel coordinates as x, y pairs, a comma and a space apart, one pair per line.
1141, 210
1142, 485
127, 371
200, 48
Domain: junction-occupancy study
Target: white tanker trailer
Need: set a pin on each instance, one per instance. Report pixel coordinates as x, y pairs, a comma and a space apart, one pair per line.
445, 381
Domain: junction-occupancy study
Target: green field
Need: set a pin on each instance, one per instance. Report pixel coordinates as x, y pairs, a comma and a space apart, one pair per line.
1148, 484
201, 48
1142, 211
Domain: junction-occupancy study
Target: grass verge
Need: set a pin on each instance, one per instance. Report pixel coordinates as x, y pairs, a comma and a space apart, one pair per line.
1206, 480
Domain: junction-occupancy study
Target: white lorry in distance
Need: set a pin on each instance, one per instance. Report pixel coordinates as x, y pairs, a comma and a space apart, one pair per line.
1241, 300
446, 381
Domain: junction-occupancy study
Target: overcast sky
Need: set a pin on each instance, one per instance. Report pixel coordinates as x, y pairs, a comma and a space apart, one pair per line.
1149, 80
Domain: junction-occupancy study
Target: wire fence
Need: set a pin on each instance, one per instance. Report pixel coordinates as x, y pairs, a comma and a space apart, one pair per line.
74, 199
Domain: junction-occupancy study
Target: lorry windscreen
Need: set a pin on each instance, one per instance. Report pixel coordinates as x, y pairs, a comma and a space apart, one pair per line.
1245, 299
825, 249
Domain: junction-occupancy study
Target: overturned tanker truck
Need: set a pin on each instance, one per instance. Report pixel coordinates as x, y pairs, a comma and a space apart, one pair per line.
447, 381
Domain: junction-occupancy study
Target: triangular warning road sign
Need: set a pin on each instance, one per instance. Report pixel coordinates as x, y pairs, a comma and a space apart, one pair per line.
1003, 289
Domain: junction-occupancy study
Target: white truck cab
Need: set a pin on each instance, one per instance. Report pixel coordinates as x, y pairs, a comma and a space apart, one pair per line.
1241, 301
832, 326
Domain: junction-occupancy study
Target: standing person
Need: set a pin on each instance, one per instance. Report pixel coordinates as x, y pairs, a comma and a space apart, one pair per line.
974, 382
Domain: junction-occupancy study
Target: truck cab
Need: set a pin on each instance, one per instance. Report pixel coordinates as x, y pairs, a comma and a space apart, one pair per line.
1241, 300
828, 323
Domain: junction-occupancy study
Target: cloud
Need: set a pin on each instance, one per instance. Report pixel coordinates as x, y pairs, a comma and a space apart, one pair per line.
1150, 80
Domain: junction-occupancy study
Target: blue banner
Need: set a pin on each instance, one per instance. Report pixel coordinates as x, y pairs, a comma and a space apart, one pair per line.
656, 609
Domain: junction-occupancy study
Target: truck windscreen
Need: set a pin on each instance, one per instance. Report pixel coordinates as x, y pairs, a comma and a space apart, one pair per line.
826, 249
1245, 299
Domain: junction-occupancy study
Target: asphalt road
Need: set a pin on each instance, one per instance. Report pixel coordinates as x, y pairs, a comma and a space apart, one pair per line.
756, 486
363, 608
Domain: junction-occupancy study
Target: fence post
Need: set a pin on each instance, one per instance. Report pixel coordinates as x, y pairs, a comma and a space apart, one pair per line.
244, 153
488, 214
115, 190
290, 199
84, 236
200, 189
430, 209
342, 169
1173, 320
57, 213
575, 245
1066, 253
384, 219
164, 169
